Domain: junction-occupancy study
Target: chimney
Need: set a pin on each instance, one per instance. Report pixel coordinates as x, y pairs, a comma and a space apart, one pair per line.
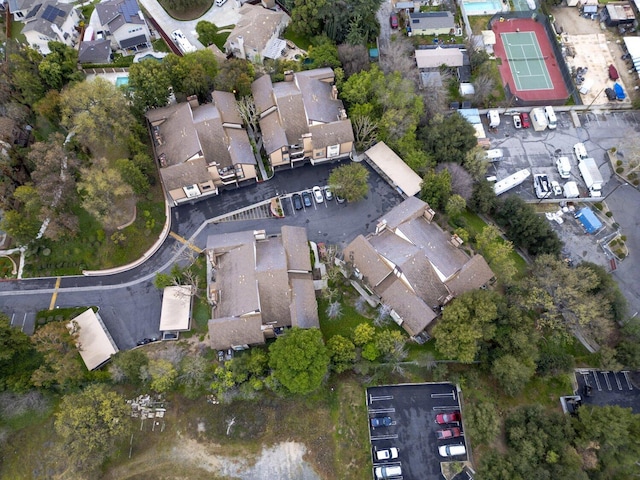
193, 101
334, 92
429, 214
380, 227
342, 114
456, 241
288, 76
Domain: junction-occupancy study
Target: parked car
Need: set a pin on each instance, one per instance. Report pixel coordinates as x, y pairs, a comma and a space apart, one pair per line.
220, 356
524, 118
386, 454
306, 199
393, 20
557, 189
450, 417
317, 194
393, 471
517, 121
145, 341
380, 422
297, 201
340, 199
451, 450
328, 194
448, 433
229, 355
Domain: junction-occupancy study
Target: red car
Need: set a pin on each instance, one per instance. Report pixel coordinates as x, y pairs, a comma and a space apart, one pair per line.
393, 20
451, 417
524, 117
449, 433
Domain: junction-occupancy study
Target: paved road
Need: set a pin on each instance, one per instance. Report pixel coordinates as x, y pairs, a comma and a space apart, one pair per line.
130, 304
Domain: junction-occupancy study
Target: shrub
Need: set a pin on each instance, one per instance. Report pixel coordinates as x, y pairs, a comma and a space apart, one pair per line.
619, 170
609, 214
618, 163
636, 182
598, 205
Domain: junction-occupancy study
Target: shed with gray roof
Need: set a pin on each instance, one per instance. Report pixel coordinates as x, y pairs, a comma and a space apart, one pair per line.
431, 23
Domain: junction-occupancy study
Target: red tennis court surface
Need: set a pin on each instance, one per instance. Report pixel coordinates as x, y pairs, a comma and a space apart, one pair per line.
559, 91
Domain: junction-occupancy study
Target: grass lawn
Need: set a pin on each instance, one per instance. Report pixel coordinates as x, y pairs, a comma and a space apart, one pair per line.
16, 28
479, 23
221, 38
300, 40
160, 45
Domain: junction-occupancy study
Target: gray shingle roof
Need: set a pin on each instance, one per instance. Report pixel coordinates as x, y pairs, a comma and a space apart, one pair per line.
475, 273
256, 26
226, 103
232, 331
365, 258
415, 313
184, 174
273, 135
43, 16
179, 137
95, 51
334, 133
304, 306
262, 91
116, 13
296, 247
431, 20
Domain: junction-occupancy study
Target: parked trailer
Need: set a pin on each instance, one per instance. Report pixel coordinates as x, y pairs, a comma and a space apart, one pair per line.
494, 118
538, 119
571, 190
508, 183
591, 176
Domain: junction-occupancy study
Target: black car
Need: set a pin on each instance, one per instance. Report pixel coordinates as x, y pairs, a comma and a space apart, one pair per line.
145, 341
297, 201
381, 422
306, 198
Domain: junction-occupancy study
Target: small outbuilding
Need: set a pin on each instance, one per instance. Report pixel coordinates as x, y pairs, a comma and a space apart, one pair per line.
589, 220
393, 167
175, 316
93, 339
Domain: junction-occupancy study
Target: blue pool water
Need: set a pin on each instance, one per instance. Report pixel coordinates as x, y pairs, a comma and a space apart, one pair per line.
149, 57
486, 7
120, 81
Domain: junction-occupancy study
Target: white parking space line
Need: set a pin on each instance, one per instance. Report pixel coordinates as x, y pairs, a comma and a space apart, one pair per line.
606, 379
444, 395
379, 398
13, 315
617, 381
384, 437
595, 376
626, 377
382, 410
23, 321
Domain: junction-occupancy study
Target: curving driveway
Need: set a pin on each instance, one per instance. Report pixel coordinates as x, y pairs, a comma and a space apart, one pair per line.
130, 304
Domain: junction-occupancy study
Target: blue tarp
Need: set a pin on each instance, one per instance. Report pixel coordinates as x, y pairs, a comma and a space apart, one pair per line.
620, 95
589, 220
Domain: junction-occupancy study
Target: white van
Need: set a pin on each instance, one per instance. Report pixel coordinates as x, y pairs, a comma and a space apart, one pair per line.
220, 3
564, 167
551, 117
451, 450
383, 473
580, 151
494, 155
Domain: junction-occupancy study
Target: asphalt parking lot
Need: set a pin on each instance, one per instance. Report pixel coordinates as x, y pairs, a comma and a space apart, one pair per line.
608, 388
413, 409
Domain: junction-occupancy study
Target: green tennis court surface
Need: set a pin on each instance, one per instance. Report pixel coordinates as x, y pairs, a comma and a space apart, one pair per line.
526, 61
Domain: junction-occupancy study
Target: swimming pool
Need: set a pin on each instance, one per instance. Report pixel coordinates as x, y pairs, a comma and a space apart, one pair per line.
485, 7
122, 81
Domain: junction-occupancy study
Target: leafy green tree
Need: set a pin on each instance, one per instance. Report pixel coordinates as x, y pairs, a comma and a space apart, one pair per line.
449, 138
223, 380
236, 76
554, 359
371, 352
50, 106
436, 188
195, 374
127, 365
299, 360
610, 289
91, 422
323, 54
498, 253
102, 189
566, 298
525, 228
98, 113
476, 163
482, 422
455, 206
363, 334
207, 32
512, 374
193, 74
62, 366
59, 67
467, 321
25, 77
389, 341
163, 375
306, 17
350, 181
131, 174
628, 350
23, 223
18, 358
483, 198
150, 84
342, 352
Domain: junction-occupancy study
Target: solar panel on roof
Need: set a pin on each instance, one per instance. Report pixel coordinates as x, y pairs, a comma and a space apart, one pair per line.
50, 13
129, 9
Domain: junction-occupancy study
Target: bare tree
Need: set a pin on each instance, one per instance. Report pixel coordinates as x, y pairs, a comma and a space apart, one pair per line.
354, 58
461, 180
365, 131
483, 85
434, 94
334, 310
173, 353
249, 113
383, 316
398, 57
361, 305
476, 163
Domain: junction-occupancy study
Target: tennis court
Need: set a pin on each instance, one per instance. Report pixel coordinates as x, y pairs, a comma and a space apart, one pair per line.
526, 62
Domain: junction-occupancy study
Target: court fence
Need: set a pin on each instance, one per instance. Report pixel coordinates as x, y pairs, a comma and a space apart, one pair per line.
557, 52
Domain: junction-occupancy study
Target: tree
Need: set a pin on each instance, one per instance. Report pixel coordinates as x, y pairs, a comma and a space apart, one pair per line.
455, 206
389, 342
497, 252
483, 199
59, 67
98, 113
306, 17
236, 76
299, 360
163, 375
194, 375
363, 334
467, 321
365, 132
25, 77
483, 86
512, 374
131, 174
90, 422
193, 74
62, 366
207, 32
476, 163
103, 189
50, 107
23, 223
18, 358
482, 422
525, 228
461, 181
450, 138
342, 352
354, 58
436, 188
126, 365
350, 181
628, 350
249, 113
567, 298
150, 84
323, 54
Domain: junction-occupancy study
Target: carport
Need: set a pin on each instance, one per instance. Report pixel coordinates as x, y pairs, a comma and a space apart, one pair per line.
175, 316
392, 167
94, 342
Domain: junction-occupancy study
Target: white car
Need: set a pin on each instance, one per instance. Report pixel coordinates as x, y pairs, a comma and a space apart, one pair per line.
451, 450
557, 189
387, 454
517, 121
580, 151
317, 194
328, 193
